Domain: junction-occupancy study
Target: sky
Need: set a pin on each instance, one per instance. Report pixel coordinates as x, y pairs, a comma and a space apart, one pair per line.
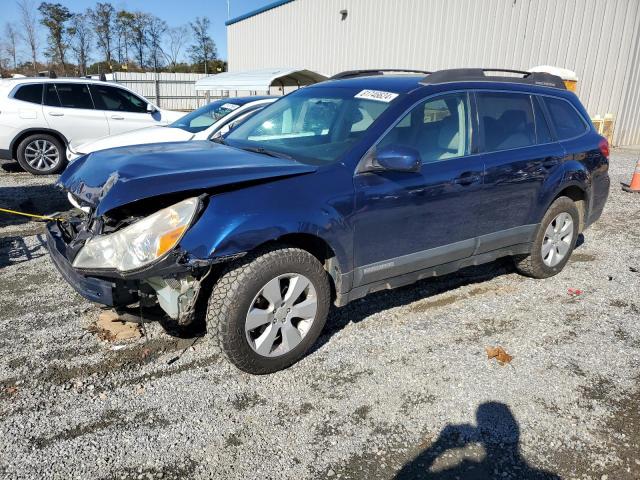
174, 12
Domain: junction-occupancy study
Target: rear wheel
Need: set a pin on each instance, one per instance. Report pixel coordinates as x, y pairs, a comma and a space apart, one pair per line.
41, 154
268, 308
554, 242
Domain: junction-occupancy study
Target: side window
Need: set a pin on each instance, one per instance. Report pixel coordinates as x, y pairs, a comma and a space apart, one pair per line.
437, 128
542, 129
51, 95
565, 118
29, 93
117, 99
74, 95
507, 120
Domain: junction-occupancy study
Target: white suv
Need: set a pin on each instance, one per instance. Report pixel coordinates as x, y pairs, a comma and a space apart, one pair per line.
211, 121
39, 117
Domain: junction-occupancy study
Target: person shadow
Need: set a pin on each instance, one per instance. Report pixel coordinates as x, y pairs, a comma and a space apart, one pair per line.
497, 431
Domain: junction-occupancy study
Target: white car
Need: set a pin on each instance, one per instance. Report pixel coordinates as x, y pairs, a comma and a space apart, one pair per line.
39, 117
213, 120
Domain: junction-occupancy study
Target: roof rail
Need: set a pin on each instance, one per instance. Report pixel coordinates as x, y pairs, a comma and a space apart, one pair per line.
373, 72
479, 74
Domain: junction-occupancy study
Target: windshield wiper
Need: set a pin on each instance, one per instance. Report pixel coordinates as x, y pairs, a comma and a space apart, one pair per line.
219, 140
270, 153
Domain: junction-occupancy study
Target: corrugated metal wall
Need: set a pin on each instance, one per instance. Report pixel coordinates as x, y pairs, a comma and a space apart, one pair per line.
598, 39
173, 91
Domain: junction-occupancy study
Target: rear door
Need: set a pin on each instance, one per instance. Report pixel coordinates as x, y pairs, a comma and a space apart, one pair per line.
521, 159
124, 110
68, 109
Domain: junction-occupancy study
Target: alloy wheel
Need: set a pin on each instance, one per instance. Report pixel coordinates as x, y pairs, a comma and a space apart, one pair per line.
281, 314
42, 155
557, 239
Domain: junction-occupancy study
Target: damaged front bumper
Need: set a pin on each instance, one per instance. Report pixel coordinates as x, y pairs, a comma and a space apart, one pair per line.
112, 292
174, 283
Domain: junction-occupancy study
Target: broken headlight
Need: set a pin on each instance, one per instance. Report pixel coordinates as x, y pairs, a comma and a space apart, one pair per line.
140, 243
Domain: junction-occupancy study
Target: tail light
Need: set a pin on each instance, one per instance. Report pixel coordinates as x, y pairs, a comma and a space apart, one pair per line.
604, 147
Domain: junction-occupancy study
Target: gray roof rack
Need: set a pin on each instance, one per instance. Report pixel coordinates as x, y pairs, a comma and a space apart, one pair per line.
373, 72
480, 74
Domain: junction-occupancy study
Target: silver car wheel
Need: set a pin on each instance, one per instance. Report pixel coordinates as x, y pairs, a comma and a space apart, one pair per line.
42, 155
281, 314
557, 239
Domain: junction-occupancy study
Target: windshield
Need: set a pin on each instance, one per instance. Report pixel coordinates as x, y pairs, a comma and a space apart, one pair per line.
206, 116
313, 125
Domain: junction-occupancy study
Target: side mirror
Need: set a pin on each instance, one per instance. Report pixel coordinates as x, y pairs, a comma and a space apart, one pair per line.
151, 108
397, 158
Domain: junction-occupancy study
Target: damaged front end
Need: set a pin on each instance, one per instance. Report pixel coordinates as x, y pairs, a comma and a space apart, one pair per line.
129, 256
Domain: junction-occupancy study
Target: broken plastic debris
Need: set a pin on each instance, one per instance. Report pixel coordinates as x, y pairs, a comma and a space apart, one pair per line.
499, 354
574, 292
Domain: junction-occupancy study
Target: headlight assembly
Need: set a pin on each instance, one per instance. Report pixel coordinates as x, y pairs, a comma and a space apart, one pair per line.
140, 243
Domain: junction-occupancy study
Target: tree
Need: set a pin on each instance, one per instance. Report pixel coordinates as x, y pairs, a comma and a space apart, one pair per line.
177, 36
156, 28
139, 37
11, 44
102, 18
55, 18
124, 31
204, 48
82, 38
30, 29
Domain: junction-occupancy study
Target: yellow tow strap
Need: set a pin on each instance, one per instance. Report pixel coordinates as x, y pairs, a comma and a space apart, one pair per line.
31, 215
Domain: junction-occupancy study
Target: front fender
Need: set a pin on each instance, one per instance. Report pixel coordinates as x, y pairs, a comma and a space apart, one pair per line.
239, 221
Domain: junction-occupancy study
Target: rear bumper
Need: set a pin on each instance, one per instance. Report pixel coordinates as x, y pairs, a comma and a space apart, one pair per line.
599, 194
112, 292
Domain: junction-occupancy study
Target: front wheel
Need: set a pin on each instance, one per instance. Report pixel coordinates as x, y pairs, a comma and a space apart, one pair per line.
554, 242
268, 308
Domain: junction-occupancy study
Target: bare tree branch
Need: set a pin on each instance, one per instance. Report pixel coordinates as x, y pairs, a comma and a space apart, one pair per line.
177, 38
29, 23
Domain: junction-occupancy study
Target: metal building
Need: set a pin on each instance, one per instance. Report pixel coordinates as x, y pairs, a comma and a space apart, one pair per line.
598, 39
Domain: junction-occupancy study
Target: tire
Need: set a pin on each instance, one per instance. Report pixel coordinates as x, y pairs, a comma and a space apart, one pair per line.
536, 264
42, 154
241, 287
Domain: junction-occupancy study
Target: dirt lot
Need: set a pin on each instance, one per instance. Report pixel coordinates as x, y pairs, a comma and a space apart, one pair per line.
399, 384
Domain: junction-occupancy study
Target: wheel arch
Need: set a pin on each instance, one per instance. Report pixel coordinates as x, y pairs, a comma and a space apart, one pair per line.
319, 248
13, 147
579, 195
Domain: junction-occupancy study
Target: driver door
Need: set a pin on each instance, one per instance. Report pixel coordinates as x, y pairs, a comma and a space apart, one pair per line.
408, 221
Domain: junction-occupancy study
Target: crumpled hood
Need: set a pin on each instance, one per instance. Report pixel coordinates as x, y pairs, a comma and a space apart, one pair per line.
141, 136
111, 178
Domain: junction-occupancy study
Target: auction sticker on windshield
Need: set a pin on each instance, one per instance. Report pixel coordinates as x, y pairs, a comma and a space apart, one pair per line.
230, 106
377, 95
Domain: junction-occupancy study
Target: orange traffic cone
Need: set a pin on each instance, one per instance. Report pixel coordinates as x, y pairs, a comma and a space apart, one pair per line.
634, 186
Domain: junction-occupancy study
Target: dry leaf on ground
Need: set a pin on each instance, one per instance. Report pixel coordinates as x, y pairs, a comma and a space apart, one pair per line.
499, 354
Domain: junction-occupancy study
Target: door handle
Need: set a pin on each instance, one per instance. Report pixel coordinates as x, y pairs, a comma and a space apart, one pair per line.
117, 117
56, 114
467, 178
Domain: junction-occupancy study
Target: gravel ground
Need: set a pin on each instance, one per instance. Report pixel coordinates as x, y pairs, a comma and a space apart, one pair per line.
398, 385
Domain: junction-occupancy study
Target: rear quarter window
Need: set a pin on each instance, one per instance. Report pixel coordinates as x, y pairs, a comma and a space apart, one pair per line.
29, 93
568, 122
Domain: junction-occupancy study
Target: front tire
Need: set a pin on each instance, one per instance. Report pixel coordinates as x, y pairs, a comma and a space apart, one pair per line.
268, 308
41, 154
554, 242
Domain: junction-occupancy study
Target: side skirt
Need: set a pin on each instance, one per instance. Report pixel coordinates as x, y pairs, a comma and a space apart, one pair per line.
343, 299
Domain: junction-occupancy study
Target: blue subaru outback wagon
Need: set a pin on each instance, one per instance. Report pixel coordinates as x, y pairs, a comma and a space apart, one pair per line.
357, 184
